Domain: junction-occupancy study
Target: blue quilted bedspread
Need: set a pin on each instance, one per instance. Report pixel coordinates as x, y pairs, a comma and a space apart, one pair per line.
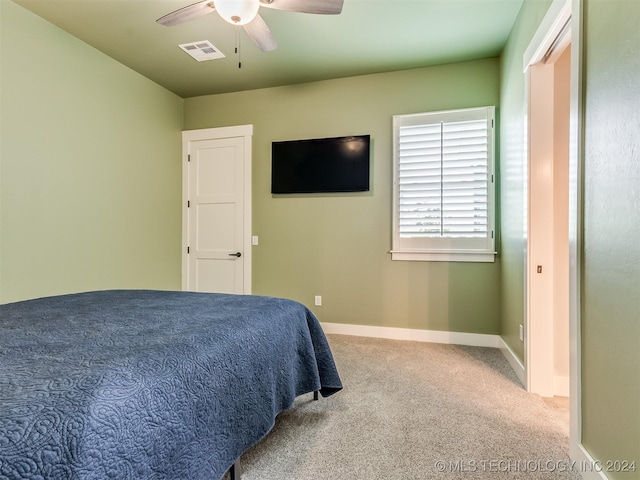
148, 384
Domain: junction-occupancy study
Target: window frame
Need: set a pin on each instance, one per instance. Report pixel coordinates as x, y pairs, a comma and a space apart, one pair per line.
445, 249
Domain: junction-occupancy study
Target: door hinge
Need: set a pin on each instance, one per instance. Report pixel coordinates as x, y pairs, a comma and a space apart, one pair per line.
188, 204
188, 250
491, 233
188, 157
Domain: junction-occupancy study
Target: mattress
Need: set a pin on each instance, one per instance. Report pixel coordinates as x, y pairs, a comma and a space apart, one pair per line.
140, 384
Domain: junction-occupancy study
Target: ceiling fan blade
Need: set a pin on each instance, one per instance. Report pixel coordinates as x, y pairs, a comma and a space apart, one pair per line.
187, 13
323, 7
259, 32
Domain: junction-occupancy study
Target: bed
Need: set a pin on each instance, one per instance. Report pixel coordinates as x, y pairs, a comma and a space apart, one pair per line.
139, 384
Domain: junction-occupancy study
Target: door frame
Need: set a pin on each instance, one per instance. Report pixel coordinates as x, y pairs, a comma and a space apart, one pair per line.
539, 328
551, 25
245, 132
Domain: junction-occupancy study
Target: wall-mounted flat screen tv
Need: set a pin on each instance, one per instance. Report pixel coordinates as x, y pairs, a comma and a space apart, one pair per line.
322, 165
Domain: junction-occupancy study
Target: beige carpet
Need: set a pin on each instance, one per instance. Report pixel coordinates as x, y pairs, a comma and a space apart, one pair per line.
415, 411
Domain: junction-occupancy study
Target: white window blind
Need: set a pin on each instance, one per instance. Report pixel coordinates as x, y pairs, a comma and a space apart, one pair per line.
443, 186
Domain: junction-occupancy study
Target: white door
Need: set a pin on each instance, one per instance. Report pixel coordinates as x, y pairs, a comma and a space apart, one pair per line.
217, 215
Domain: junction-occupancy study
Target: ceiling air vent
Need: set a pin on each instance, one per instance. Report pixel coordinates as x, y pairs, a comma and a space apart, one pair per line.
202, 50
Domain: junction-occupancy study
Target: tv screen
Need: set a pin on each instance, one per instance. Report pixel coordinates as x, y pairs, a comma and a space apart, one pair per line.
321, 165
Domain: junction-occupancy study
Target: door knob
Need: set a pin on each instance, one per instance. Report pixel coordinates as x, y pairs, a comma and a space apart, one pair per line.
237, 254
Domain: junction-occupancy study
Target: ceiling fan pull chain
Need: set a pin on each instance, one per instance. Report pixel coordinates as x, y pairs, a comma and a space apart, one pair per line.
238, 46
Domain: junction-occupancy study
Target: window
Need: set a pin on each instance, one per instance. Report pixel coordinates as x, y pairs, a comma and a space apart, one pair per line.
444, 186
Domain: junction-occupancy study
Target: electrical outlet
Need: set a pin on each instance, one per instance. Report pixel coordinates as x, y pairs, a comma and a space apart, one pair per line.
522, 333
318, 300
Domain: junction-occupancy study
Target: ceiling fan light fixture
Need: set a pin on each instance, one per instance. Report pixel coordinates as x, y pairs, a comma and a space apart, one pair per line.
237, 12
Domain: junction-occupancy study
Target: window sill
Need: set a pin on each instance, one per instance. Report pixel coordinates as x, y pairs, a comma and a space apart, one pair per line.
456, 256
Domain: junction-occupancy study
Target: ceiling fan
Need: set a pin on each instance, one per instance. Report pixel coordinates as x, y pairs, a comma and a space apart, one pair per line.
245, 13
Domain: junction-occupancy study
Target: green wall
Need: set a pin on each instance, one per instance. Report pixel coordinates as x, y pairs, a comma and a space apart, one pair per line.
610, 289
337, 245
611, 256
90, 167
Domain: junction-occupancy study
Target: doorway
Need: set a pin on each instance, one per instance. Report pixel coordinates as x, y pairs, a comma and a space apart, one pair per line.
547, 328
217, 210
561, 28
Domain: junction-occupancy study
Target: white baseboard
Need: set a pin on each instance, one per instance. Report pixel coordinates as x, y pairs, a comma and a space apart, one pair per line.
588, 468
561, 386
434, 336
416, 335
514, 361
